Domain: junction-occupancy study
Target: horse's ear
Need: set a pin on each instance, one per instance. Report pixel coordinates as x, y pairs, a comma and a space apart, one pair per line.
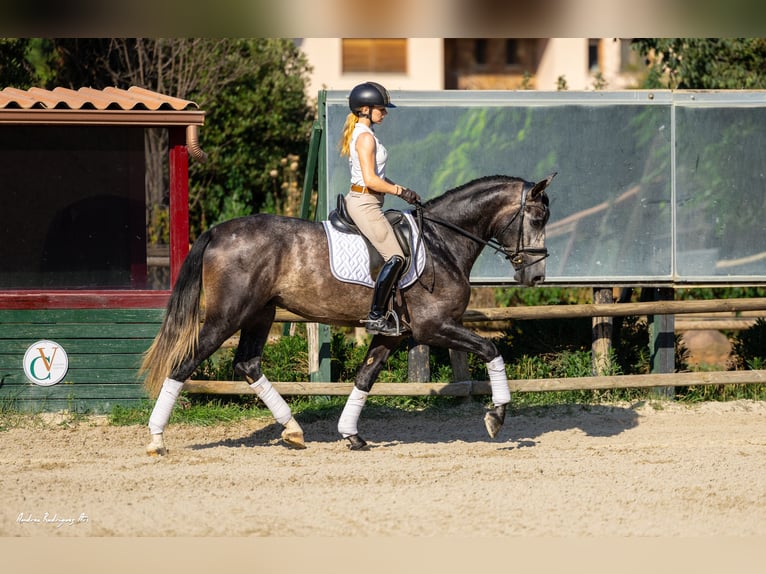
540, 186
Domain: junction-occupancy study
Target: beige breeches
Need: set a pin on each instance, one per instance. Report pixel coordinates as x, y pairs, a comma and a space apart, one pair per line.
366, 209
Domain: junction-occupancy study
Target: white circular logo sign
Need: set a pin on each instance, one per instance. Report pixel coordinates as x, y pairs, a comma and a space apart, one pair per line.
45, 363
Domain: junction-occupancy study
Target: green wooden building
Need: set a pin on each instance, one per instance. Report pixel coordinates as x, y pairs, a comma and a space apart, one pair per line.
95, 230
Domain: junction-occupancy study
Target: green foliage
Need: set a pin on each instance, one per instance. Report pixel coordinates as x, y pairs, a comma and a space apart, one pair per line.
631, 345
41, 57
704, 63
524, 296
544, 337
27, 62
707, 293
199, 411
285, 359
250, 126
15, 69
699, 393
749, 346
599, 82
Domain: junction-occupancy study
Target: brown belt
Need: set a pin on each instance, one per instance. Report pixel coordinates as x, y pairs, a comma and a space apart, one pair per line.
361, 189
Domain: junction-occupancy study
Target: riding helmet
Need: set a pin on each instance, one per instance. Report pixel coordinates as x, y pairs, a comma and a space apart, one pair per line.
369, 94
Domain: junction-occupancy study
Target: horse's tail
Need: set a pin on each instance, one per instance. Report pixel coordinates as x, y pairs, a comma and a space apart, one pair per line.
179, 334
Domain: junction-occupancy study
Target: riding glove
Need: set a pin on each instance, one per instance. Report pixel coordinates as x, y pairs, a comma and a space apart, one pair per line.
409, 196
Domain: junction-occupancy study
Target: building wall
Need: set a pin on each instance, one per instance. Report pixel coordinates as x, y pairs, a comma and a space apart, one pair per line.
439, 63
425, 66
567, 57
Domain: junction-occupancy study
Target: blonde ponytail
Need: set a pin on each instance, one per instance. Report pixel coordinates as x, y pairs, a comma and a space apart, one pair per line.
344, 145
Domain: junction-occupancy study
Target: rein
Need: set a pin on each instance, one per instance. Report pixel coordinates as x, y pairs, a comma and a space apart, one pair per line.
515, 257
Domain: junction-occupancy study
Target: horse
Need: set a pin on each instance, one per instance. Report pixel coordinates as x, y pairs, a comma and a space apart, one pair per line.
249, 266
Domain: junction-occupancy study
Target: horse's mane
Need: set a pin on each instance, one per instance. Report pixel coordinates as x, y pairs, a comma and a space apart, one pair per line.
499, 179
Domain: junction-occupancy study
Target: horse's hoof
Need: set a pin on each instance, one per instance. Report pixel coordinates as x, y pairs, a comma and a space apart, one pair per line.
292, 436
157, 446
355, 442
293, 439
494, 419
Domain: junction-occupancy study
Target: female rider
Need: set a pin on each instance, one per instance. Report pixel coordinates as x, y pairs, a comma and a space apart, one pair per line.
369, 103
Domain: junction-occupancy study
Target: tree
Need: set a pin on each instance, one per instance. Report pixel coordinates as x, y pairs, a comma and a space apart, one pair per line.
15, 69
250, 128
704, 63
253, 92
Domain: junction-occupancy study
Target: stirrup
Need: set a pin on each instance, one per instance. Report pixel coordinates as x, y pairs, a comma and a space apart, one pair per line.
382, 326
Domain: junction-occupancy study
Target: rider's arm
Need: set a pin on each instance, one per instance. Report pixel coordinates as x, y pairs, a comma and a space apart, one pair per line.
365, 147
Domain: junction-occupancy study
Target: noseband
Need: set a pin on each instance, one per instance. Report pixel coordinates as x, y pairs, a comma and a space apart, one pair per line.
514, 255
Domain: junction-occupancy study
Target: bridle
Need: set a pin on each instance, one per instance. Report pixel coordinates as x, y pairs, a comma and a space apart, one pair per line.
516, 255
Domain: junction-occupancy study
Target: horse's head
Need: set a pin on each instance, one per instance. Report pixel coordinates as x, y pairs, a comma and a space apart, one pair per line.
523, 236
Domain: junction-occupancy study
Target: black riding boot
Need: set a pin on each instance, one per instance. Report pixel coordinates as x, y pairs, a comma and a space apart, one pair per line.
377, 323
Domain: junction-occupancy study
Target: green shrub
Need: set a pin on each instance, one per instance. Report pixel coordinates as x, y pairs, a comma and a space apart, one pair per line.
749, 346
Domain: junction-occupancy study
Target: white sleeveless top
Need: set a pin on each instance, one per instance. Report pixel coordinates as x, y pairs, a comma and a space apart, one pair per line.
381, 156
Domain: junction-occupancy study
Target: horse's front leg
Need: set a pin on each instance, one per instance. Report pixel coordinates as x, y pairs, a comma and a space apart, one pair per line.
379, 350
453, 335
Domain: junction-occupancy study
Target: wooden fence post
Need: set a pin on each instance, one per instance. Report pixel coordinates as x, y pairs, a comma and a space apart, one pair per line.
418, 367
662, 340
601, 346
318, 336
459, 362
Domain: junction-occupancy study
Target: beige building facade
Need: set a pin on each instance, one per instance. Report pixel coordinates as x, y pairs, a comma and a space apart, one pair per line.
472, 63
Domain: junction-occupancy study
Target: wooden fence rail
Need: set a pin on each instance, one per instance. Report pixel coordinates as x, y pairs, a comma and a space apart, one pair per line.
468, 388
593, 310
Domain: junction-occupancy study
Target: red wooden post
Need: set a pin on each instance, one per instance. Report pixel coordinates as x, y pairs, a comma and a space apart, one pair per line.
179, 201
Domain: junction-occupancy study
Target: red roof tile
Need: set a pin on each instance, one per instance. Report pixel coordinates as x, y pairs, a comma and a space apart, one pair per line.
134, 98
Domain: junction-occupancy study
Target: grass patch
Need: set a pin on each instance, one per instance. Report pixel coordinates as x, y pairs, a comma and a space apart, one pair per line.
193, 410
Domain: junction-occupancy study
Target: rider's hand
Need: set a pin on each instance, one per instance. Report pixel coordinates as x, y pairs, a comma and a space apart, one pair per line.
409, 196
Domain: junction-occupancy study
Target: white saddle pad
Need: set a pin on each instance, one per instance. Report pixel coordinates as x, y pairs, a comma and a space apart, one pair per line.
350, 260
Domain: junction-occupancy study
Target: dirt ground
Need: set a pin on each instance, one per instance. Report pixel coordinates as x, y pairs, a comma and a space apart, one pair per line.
653, 469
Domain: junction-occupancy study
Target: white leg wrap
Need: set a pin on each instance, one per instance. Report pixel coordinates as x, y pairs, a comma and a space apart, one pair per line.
498, 380
272, 399
350, 415
164, 405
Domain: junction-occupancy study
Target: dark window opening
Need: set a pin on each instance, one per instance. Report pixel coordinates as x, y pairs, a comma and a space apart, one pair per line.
512, 52
593, 64
480, 52
74, 208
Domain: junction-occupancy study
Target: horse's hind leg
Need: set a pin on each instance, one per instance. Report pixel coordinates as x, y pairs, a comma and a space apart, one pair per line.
211, 337
247, 362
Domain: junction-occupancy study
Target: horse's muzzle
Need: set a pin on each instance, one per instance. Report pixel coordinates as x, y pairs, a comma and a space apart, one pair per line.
528, 279
529, 265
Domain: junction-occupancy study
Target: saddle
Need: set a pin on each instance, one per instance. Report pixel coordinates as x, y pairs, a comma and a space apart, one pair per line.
341, 220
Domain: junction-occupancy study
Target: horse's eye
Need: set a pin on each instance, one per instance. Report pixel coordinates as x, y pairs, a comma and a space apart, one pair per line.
538, 216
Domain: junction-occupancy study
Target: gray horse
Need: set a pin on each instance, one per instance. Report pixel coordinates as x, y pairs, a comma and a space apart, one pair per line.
247, 267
